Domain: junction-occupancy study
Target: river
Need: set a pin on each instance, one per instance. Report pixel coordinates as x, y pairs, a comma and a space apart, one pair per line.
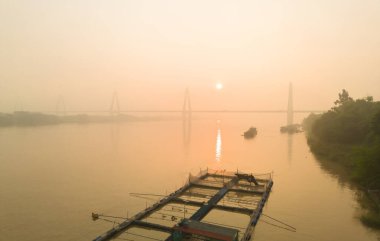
53, 177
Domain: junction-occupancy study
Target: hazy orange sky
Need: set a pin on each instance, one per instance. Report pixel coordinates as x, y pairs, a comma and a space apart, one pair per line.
150, 51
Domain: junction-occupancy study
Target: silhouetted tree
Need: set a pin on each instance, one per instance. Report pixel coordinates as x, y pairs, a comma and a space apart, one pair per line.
344, 97
349, 134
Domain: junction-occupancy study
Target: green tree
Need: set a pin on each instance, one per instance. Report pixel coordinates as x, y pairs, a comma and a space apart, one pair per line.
376, 123
344, 97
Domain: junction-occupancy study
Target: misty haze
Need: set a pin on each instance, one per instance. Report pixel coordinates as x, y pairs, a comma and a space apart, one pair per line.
190, 120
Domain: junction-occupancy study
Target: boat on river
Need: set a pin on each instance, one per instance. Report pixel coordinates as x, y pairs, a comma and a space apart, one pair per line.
181, 214
291, 129
250, 133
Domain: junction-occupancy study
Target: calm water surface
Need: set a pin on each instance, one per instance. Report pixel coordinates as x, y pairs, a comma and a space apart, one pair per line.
53, 177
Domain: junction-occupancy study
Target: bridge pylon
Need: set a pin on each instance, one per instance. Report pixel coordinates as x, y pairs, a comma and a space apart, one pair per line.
186, 103
290, 105
115, 106
60, 107
186, 122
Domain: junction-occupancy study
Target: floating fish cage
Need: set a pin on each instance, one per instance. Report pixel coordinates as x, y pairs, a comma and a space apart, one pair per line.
207, 207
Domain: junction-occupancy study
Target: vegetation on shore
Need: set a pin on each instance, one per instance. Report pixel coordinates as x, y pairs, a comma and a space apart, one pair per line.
349, 134
24, 118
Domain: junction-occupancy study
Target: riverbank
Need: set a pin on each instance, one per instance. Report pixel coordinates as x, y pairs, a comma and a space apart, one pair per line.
349, 135
26, 118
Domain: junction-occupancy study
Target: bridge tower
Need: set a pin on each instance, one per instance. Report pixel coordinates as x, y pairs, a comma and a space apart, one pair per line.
186, 122
290, 105
60, 106
186, 104
115, 107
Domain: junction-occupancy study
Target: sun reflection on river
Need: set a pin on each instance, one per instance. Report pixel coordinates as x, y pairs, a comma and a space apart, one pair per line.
218, 149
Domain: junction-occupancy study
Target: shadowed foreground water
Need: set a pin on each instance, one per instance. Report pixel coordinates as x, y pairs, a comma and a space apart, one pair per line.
53, 177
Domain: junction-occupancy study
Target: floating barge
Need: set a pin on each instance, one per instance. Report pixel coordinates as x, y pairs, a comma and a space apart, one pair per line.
182, 215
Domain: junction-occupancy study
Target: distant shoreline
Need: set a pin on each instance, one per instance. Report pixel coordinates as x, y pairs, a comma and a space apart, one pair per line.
26, 118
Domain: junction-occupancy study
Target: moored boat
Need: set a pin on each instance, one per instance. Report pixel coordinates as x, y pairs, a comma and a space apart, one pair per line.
182, 212
250, 133
291, 129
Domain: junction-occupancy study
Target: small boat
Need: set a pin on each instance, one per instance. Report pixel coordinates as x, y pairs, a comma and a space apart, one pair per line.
252, 132
291, 129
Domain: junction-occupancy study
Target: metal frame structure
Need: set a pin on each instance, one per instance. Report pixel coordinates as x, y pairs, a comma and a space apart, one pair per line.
232, 192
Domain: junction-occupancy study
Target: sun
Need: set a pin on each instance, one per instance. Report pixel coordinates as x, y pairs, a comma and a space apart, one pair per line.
219, 86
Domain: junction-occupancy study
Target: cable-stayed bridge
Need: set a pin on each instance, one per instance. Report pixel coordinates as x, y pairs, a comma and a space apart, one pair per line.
187, 109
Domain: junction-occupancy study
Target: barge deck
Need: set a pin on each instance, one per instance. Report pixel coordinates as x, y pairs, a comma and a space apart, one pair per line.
240, 193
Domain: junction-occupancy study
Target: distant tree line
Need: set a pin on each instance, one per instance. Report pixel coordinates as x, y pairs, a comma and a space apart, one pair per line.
349, 134
25, 118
